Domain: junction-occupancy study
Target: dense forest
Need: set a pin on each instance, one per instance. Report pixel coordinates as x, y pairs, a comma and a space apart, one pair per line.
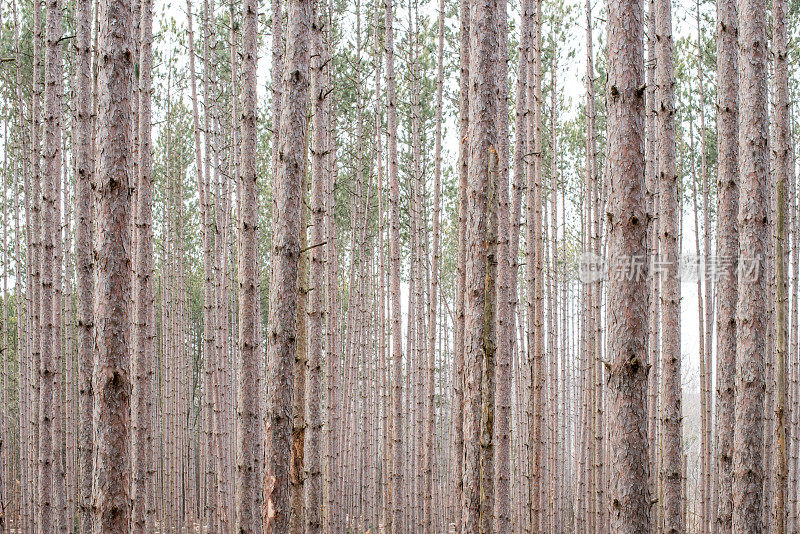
399, 266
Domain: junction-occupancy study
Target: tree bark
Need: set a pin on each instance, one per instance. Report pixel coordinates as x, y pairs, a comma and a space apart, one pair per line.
627, 382
751, 309
84, 168
111, 506
482, 149
504, 305
669, 210
782, 174
249, 419
143, 514
398, 506
316, 301
430, 408
728, 249
281, 337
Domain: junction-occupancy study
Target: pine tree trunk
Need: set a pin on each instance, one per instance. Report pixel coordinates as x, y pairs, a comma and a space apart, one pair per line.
793, 344
709, 500
461, 262
111, 508
84, 167
249, 421
430, 408
316, 296
482, 142
331, 310
52, 513
143, 515
669, 210
504, 305
752, 305
727, 249
782, 172
281, 337
296, 472
627, 382
398, 502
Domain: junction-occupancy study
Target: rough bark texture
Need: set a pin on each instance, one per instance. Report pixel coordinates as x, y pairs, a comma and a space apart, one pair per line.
331, 296
627, 383
504, 327
281, 335
782, 175
112, 385
430, 407
669, 212
143, 513
316, 298
50, 450
727, 247
84, 167
398, 506
482, 143
751, 309
300, 371
249, 418
520, 150
458, 335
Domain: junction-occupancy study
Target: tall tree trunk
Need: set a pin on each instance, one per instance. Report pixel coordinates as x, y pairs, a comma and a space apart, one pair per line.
331, 310
709, 499
458, 336
285, 254
430, 408
111, 511
727, 247
143, 515
249, 420
672, 436
316, 300
793, 344
482, 151
751, 309
53, 512
84, 168
398, 502
300, 370
627, 382
504, 327
521, 482
34, 202
782, 172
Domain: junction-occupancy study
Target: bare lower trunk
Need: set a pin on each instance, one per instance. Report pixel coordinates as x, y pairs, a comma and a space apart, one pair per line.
671, 412
286, 249
727, 247
316, 302
84, 166
751, 309
482, 150
249, 430
143, 514
783, 174
397, 474
430, 408
111, 507
627, 383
